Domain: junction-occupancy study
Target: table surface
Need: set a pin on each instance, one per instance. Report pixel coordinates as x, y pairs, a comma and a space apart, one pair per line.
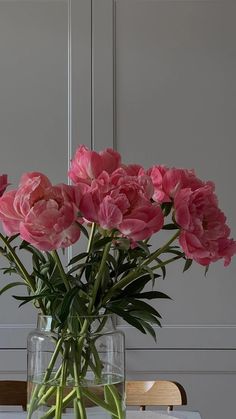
129, 415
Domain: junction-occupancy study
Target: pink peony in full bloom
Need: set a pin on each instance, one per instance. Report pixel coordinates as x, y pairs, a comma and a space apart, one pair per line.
123, 202
167, 182
3, 184
43, 214
204, 234
88, 165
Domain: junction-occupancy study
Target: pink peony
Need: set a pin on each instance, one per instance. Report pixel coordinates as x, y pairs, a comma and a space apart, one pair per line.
204, 234
43, 214
142, 222
123, 202
88, 165
167, 182
3, 184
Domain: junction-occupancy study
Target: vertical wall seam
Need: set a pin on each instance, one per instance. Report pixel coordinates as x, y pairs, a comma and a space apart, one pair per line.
69, 86
92, 77
69, 99
114, 142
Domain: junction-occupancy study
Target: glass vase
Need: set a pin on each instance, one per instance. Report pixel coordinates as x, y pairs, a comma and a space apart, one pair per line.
76, 371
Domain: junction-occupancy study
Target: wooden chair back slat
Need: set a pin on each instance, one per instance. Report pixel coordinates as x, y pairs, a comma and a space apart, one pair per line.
13, 393
138, 393
155, 393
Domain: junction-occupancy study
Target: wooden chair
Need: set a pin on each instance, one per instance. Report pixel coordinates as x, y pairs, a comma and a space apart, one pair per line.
13, 393
155, 393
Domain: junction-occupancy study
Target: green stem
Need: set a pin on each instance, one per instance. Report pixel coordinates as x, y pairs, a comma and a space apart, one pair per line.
117, 400
99, 402
99, 276
166, 262
40, 388
89, 247
60, 389
50, 413
19, 264
158, 252
91, 236
29, 281
76, 409
80, 402
51, 390
61, 269
51, 364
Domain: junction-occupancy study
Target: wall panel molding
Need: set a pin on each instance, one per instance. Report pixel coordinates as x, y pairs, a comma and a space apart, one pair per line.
103, 74
173, 337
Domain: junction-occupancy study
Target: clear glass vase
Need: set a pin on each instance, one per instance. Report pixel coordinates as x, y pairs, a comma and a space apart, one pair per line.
76, 372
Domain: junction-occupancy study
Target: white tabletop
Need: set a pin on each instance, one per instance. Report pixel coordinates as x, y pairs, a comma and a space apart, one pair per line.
130, 415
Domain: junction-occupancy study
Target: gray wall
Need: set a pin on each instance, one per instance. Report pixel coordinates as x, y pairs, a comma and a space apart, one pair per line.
160, 87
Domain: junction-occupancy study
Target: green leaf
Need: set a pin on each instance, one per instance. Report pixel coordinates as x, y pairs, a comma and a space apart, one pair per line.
123, 244
77, 258
26, 246
149, 329
83, 229
101, 243
166, 208
112, 261
11, 285
144, 247
162, 267
150, 295
206, 269
170, 227
187, 265
129, 319
146, 317
67, 300
145, 307
11, 238
26, 298
109, 399
137, 285
77, 267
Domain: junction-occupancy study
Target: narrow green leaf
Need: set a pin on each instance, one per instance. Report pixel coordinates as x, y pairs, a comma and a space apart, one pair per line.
170, 227
166, 208
145, 307
149, 329
101, 243
150, 295
26, 246
67, 300
162, 267
137, 285
145, 316
77, 258
129, 319
11, 285
144, 247
187, 265
206, 270
83, 229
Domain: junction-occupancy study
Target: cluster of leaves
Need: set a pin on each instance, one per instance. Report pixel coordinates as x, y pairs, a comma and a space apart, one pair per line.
121, 289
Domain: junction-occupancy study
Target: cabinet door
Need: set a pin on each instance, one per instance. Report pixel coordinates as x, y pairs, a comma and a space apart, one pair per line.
45, 107
173, 98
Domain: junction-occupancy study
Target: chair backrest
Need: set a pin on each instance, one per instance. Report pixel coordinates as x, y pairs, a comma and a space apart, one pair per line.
13, 393
155, 393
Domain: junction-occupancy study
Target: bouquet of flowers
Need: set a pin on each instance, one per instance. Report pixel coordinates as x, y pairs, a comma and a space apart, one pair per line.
118, 208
